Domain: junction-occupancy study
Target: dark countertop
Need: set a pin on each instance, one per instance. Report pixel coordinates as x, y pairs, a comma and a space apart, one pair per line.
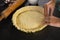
9, 32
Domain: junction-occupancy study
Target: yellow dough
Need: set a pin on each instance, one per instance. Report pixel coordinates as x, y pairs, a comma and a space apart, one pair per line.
29, 19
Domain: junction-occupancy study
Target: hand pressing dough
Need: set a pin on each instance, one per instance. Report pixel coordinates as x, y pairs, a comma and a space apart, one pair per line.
29, 19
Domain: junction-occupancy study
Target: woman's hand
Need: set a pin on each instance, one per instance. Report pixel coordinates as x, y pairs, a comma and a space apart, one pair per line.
51, 20
48, 10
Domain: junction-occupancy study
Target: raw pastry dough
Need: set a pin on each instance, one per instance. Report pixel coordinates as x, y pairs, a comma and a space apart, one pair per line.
29, 19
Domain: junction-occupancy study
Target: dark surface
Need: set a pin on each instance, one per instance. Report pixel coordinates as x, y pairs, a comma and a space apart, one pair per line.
56, 12
9, 32
3, 5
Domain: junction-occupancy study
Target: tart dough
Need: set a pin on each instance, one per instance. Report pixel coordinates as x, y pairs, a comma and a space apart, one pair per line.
29, 19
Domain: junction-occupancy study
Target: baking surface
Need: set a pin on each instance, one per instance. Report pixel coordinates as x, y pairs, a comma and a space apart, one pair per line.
9, 32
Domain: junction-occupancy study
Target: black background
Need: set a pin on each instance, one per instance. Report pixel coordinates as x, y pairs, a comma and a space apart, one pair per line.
9, 32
